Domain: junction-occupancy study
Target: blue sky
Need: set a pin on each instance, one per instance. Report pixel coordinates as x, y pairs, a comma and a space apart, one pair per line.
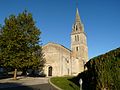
101, 19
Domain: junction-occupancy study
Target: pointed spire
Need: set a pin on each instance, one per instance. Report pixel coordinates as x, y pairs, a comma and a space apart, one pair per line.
77, 16
77, 26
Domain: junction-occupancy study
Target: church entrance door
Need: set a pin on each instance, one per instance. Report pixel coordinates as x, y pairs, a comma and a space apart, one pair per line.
50, 71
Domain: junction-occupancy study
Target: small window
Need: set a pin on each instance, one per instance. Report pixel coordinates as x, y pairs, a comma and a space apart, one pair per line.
77, 37
77, 48
76, 28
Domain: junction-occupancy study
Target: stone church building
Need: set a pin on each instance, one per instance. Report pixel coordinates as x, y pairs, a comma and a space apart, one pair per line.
62, 61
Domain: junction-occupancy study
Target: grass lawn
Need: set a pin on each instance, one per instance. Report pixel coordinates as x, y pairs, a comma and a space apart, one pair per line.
64, 83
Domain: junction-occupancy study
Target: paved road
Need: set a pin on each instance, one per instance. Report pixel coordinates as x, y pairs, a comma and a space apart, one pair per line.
26, 84
31, 87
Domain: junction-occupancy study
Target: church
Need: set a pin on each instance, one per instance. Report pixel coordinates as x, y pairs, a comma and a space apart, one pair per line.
61, 61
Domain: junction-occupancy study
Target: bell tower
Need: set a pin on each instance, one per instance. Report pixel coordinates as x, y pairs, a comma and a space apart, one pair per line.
79, 42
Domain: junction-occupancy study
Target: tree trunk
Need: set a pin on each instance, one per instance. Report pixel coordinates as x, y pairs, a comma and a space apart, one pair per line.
15, 74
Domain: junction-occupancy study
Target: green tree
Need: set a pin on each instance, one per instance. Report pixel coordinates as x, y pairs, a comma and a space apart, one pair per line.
19, 43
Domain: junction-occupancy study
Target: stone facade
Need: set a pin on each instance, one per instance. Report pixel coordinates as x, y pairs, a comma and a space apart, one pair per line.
57, 58
61, 61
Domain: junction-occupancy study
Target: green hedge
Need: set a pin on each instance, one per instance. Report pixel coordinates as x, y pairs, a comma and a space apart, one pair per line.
103, 72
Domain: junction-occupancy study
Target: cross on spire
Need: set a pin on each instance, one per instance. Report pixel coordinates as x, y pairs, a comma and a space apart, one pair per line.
76, 3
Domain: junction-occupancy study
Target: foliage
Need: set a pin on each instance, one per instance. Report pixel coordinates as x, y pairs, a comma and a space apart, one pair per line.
103, 72
19, 43
64, 83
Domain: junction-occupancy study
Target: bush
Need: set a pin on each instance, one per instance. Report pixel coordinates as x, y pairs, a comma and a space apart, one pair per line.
103, 72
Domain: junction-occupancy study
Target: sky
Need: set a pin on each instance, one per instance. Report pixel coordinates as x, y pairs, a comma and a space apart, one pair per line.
101, 19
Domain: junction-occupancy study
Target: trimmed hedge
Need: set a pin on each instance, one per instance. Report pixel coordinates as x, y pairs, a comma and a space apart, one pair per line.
103, 72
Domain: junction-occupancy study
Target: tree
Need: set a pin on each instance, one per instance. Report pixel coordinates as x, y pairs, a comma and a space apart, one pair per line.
19, 43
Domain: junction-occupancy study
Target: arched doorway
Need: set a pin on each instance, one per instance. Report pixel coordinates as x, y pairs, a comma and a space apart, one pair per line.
50, 71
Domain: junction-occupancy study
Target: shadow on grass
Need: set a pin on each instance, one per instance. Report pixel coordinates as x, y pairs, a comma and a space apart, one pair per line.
76, 79
71, 86
88, 82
